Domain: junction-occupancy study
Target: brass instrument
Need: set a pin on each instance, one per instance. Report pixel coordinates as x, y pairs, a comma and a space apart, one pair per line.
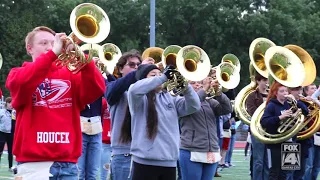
193, 64
169, 56
153, 52
228, 77
233, 59
257, 51
109, 54
89, 24
311, 123
286, 68
288, 128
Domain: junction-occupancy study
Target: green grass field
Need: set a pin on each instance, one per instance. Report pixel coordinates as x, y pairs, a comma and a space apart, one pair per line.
238, 172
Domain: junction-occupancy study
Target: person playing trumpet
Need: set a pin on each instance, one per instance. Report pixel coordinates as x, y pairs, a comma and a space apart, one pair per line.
48, 100
198, 133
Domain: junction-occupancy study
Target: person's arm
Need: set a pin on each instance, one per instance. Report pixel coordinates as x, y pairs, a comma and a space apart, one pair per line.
139, 89
188, 104
250, 104
116, 88
315, 96
92, 84
23, 81
269, 118
110, 78
221, 105
303, 107
144, 86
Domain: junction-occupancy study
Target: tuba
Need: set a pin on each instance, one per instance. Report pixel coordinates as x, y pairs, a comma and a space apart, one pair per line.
89, 24
153, 52
257, 51
289, 70
232, 59
192, 63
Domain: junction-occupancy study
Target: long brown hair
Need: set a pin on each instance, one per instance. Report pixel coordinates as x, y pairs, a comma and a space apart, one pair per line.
273, 91
152, 121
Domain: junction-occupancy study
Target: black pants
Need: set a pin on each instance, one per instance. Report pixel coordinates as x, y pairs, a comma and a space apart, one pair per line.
147, 172
275, 172
6, 138
246, 149
251, 162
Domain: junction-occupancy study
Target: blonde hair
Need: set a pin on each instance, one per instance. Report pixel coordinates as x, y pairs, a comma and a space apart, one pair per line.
30, 36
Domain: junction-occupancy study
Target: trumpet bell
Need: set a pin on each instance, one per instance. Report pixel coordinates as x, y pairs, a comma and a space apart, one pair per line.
193, 63
109, 55
153, 52
285, 66
257, 51
227, 75
169, 55
89, 23
231, 58
307, 61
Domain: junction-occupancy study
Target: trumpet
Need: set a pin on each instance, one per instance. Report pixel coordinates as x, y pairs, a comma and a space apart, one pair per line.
89, 24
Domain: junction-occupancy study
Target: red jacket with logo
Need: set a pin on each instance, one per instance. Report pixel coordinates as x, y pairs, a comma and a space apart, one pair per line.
48, 100
106, 133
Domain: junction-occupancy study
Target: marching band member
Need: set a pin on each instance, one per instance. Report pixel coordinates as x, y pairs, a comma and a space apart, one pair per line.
306, 143
198, 134
259, 159
277, 109
313, 161
5, 130
154, 123
116, 96
48, 100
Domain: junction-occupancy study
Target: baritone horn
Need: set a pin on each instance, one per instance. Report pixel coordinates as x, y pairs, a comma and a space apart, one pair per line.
192, 63
89, 24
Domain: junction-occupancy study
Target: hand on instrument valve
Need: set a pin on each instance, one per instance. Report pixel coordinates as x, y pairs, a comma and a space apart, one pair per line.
169, 71
149, 60
58, 43
285, 114
206, 83
100, 65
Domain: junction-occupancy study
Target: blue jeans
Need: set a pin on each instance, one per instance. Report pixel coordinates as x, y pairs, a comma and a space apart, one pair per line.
62, 171
260, 168
120, 167
230, 150
313, 163
105, 161
195, 170
89, 161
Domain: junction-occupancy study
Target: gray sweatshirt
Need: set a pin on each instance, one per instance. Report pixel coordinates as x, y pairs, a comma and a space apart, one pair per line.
164, 149
199, 130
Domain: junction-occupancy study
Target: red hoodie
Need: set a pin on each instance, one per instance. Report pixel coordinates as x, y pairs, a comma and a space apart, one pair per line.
48, 101
106, 122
